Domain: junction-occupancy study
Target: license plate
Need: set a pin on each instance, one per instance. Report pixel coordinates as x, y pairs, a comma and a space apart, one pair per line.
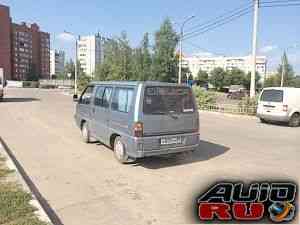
170, 141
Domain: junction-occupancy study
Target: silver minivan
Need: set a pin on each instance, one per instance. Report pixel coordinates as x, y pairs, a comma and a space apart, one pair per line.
139, 119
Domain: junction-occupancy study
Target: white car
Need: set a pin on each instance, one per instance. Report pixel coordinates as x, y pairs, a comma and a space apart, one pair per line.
280, 104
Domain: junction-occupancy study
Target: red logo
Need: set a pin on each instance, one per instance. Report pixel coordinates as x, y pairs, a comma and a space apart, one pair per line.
236, 201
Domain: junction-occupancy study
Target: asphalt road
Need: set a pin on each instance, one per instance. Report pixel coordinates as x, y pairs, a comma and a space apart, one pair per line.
84, 184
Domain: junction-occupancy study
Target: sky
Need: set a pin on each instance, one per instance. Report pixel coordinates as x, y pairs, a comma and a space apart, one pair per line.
279, 28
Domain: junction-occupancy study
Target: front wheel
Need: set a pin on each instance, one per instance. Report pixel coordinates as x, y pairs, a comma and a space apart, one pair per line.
295, 120
85, 132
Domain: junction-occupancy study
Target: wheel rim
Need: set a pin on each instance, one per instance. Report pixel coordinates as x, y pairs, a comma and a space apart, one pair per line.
296, 121
84, 132
119, 150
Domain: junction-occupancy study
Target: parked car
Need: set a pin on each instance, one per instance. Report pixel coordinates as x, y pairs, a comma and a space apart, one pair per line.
237, 92
280, 104
139, 119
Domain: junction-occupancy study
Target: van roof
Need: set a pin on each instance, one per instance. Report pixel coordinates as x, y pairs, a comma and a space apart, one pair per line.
135, 83
281, 88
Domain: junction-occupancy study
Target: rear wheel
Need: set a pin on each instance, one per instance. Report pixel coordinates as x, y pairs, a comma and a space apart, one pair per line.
120, 151
295, 120
263, 120
85, 133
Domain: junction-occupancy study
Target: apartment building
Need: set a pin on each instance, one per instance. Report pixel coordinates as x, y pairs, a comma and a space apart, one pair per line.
57, 62
90, 53
208, 64
5, 41
27, 48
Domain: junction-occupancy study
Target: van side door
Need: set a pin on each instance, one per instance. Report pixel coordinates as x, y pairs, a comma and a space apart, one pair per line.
122, 110
101, 113
83, 108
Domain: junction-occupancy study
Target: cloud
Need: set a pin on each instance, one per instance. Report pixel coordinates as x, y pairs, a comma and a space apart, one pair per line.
268, 48
65, 37
204, 54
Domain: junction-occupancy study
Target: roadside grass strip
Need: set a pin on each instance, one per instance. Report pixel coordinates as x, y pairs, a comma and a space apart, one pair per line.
15, 207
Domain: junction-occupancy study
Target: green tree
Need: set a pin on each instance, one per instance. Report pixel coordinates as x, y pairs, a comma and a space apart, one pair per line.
69, 68
165, 63
289, 74
125, 58
271, 81
202, 76
296, 82
217, 78
247, 81
235, 77
146, 70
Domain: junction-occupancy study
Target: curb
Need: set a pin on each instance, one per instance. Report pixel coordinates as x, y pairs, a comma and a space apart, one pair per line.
44, 211
229, 115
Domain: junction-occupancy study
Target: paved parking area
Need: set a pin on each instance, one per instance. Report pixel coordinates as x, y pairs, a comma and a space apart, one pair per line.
84, 184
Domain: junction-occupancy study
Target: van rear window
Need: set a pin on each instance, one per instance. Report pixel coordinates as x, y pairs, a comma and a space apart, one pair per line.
164, 100
272, 96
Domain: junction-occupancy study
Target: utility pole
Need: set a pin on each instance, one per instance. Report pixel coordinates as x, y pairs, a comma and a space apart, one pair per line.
76, 69
180, 55
282, 71
180, 48
254, 48
75, 81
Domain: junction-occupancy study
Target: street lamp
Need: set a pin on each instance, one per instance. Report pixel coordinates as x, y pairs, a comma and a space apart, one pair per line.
180, 46
283, 64
75, 96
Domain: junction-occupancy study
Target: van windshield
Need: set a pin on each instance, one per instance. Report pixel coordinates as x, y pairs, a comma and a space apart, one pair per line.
165, 100
272, 96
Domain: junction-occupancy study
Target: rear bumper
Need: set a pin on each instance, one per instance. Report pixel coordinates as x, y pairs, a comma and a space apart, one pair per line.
150, 146
284, 117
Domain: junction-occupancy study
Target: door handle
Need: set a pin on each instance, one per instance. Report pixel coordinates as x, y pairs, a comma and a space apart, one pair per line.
93, 110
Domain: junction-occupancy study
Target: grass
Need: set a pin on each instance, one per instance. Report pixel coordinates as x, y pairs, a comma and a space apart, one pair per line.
15, 208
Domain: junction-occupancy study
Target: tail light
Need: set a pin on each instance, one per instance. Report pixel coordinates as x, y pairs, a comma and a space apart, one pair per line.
197, 125
138, 129
285, 108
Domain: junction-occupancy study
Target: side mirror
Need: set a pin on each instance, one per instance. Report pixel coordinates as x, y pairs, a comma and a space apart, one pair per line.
75, 98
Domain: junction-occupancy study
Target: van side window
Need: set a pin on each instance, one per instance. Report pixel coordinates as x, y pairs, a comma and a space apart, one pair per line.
87, 95
102, 96
122, 99
106, 97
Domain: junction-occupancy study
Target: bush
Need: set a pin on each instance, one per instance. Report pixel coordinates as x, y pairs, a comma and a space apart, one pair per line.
48, 86
31, 84
204, 97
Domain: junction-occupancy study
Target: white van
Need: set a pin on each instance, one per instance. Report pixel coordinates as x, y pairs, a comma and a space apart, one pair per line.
281, 104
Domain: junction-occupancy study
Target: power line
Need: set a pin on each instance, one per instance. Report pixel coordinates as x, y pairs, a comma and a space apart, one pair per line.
230, 12
280, 1
203, 49
216, 25
279, 5
207, 26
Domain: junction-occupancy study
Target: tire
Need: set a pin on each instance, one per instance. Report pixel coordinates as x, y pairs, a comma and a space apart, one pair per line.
120, 152
263, 120
85, 133
295, 120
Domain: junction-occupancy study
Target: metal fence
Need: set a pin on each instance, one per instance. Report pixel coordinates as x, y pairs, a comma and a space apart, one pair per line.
63, 83
232, 109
